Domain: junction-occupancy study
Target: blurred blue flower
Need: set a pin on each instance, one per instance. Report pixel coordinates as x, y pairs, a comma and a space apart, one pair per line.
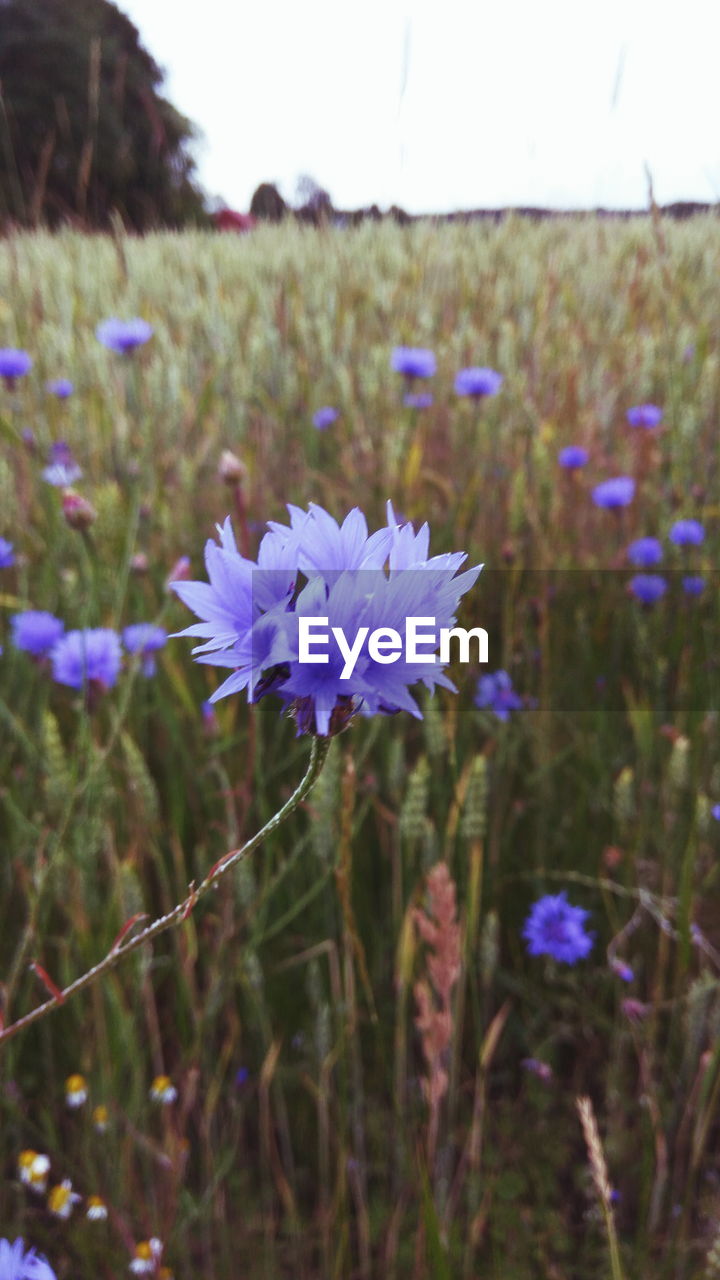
648, 588
478, 382
144, 638
557, 929
36, 631
693, 585
622, 969
413, 362
13, 364
645, 552
242, 1075
687, 533
573, 456
617, 492
715, 811
60, 387
645, 415
123, 335
495, 692
324, 418
7, 554
17, 1264
417, 399
92, 655
62, 470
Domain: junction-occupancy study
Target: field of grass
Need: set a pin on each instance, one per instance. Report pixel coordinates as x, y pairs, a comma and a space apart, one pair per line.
304, 1141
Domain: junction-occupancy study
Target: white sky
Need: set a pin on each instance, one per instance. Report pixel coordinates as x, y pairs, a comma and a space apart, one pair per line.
447, 104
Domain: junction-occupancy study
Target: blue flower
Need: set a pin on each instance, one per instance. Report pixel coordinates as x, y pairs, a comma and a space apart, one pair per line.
645, 415
324, 418
7, 554
63, 470
90, 656
687, 533
13, 364
617, 492
477, 382
145, 638
573, 456
413, 362
622, 969
648, 588
16, 1264
555, 928
495, 692
417, 399
250, 613
123, 335
36, 631
693, 585
645, 552
60, 387
715, 811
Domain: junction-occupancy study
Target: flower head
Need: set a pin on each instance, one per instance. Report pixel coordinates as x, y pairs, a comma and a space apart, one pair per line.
418, 399
100, 1118
163, 1090
76, 1091
693, 585
14, 364
33, 1170
17, 1264
60, 387
621, 969
573, 456
7, 554
96, 1209
90, 656
557, 929
145, 638
35, 631
62, 469
123, 335
495, 693
62, 1199
413, 362
645, 415
618, 492
687, 533
252, 614
147, 1257
324, 418
645, 552
648, 588
478, 382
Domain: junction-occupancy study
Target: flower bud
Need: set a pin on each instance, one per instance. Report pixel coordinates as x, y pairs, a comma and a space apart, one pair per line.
78, 512
231, 469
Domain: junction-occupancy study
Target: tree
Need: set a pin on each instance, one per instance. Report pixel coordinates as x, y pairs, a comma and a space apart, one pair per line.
84, 131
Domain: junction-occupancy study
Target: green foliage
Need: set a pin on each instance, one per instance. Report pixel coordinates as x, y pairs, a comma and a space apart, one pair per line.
86, 134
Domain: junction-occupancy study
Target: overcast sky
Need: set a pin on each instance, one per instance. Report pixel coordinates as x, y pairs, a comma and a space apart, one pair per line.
436, 107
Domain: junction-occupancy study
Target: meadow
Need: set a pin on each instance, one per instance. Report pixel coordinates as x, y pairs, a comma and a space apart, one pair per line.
337, 1104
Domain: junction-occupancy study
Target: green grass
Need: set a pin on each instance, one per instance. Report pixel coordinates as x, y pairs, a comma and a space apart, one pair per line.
300, 967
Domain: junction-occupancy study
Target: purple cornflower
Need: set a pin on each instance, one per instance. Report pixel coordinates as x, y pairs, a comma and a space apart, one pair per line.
648, 588
242, 1075
573, 456
123, 335
645, 552
557, 929
35, 631
645, 415
477, 382
693, 585
417, 399
496, 692
145, 638
17, 1264
413, 362
60, 387
617, 492
324, 418
62, 470
253, 615
87, 657
14, 364
7, 554
687, 533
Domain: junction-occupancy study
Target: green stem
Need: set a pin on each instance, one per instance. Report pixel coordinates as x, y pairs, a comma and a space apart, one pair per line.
318, 755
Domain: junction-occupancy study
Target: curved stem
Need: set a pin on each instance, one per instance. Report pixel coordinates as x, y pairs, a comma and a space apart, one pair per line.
318, 755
